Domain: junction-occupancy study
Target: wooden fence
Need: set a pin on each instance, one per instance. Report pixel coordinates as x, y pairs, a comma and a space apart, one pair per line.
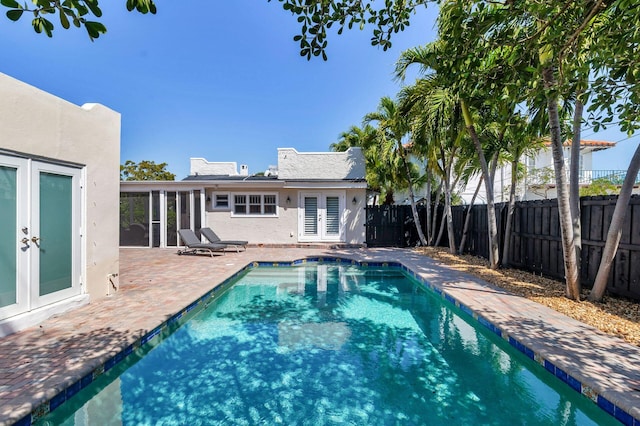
535, 241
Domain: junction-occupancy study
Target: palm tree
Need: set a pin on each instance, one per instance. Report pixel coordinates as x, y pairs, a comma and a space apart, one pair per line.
392, 133
522, 138
437, 129
384, 174
428, 58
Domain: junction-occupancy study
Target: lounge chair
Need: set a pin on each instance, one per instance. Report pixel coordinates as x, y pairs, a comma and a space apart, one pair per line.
214, 239
193, 245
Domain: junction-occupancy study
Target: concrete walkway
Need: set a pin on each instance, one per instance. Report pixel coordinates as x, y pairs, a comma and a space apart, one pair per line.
43, 365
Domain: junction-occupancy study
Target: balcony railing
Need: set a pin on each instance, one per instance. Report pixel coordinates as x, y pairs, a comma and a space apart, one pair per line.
545, 176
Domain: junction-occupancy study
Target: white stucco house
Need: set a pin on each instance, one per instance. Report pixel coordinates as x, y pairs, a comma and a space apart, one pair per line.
309, 198
539, 181
59, 186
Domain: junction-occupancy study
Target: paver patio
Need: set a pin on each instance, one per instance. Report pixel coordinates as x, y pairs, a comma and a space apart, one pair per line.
38, 363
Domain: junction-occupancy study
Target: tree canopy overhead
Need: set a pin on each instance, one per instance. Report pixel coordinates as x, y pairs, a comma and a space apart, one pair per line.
80, 13
318, 16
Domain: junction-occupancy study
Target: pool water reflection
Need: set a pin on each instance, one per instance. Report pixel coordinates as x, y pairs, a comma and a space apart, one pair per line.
329, 344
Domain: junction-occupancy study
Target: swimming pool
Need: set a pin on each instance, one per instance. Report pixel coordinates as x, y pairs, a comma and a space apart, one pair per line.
328, 344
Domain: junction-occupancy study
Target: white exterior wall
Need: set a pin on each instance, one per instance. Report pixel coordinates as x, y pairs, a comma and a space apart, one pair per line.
280, 229
502, 183
200, 166
321, 165
356, 216
283, 229
37, 123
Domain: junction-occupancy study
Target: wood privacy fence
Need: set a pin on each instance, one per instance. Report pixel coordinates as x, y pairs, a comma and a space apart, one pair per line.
536, 244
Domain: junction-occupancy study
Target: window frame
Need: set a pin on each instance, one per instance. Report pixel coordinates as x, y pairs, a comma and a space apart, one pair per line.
249, 203
214, 201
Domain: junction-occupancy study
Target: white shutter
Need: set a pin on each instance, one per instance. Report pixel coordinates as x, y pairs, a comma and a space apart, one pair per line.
333, 216
310, 216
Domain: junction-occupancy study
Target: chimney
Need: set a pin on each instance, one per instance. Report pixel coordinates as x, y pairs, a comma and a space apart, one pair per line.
244, 170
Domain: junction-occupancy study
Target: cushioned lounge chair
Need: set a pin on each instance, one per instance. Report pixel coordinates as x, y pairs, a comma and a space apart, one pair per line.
214, 239
193, 245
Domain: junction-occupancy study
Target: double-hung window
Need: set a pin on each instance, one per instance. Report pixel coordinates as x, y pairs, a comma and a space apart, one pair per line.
255, 204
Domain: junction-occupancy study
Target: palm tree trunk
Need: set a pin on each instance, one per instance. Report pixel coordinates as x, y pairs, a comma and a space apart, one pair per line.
443, 222
428, 204
494, 254
564, 210
506, 246
574, 176
615, 229
412, 198
435, 213
465, 230
448, 216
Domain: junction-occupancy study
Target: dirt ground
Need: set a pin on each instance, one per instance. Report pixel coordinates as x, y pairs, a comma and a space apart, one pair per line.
616, 316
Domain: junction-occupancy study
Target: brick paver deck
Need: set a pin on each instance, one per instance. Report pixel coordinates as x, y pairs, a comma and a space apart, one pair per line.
38, 363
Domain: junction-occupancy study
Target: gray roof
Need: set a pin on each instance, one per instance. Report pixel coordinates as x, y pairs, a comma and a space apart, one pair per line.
254, 178
235, 178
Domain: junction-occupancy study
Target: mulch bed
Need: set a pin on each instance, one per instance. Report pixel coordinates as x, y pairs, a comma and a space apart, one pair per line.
614, 315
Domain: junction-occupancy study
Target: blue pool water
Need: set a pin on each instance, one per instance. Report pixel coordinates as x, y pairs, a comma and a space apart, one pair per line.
328, 344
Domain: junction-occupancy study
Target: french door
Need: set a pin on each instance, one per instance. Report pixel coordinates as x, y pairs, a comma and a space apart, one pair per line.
321, 216
40, 212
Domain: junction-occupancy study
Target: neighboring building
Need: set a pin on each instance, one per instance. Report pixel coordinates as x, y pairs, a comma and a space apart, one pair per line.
59, 185
309, 198
539, 181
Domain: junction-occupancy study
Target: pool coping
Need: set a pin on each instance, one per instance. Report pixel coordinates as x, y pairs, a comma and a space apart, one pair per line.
623, 411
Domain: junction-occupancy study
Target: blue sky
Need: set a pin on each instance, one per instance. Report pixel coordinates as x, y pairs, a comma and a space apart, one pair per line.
225, 83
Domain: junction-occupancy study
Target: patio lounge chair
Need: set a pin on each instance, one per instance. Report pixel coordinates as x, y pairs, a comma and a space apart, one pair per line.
214, 239
193, 244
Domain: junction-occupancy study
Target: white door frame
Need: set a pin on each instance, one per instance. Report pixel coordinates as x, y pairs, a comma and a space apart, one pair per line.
76, 231
21, 165
27, 234
321, 216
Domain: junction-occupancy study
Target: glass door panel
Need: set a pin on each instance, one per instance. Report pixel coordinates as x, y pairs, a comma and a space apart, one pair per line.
8, 227
172, 224
134, 219
56, 233
311, 216
320, 218
332, 217
13, 227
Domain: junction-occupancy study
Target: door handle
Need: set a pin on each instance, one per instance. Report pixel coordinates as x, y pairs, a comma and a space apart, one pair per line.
35, 240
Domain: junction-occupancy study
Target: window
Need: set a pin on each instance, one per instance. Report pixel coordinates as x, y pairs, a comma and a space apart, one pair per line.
255, 204
530, 162
270, 204
240, 204
220, 201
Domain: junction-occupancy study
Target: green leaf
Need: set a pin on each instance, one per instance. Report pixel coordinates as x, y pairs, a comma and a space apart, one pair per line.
94, 29
64, 21
93, 6
14, 15
10, 3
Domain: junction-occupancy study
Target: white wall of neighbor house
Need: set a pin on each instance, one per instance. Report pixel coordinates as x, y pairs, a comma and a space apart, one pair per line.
200, 166
37, 123
321, 165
